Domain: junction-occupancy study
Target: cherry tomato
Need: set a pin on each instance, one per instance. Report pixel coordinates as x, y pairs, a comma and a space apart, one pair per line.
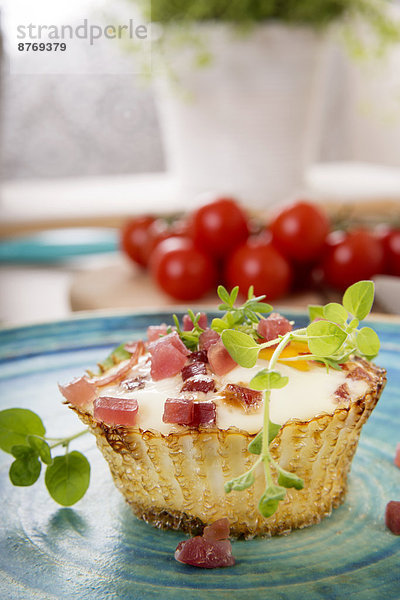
351, 257
182, 270
391, 244
219, 227
134, 238
299, 231
260, 264
161, 230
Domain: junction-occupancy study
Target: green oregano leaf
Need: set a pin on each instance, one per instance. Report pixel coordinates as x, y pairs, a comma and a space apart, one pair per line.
368, 342
255, 446
240, 483
315, 311
41, 447
324, 338
67, 479
359, 298
335, 312
224, 295
330, 363
259, 307
268, 380
16, 424
289, 480
269, 501
242, 347
25, 470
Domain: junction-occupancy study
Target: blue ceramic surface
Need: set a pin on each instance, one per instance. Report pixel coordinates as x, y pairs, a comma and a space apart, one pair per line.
99, 550
58, 245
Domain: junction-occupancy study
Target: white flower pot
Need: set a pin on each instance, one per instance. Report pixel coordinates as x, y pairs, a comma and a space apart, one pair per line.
248, 123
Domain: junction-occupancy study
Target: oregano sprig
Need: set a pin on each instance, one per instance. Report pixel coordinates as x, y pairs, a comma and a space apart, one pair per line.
333, 337
22, 434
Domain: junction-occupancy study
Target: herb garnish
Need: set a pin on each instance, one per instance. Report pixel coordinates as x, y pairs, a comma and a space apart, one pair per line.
332, 339
22, 434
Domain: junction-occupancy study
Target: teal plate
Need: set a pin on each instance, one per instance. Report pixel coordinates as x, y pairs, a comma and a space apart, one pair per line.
99, 550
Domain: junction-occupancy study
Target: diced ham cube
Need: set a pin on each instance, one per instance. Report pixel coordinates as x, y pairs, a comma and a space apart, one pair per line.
171, 339
166, 361
115, 411
194, 368
199, 552
273, 326
188, 323
178, 410
204, 413
209, 551
219, 530
208, 338
154, 332
392, 517
79, 392
245, 397
199, 356
199, 383
397, 456
342, 393
219, 358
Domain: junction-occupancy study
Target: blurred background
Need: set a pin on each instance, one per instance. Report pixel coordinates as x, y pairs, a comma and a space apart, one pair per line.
264, 105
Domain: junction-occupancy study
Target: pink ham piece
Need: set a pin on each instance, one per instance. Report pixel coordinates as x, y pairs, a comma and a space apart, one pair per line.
397, 456
238, 394
166, 361
204, 413
178, 410
187, 322
154, 332
207, 339
171, 339
168, 356
184, 411
115, 411
219, 359
209, 551
199, 356
199, 383
273, 326
194, 368
392, 517
79, 392
219, 530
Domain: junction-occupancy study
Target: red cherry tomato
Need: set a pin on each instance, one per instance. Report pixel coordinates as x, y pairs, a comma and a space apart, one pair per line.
351, 257
391, 244
219, 227
182, 270
134, 238
259, 264
161, 230
299, 231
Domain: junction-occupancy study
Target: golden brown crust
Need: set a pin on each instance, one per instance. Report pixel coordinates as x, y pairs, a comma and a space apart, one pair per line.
177, 481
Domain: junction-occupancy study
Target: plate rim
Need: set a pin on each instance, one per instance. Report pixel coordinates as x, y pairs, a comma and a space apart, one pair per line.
126, 312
